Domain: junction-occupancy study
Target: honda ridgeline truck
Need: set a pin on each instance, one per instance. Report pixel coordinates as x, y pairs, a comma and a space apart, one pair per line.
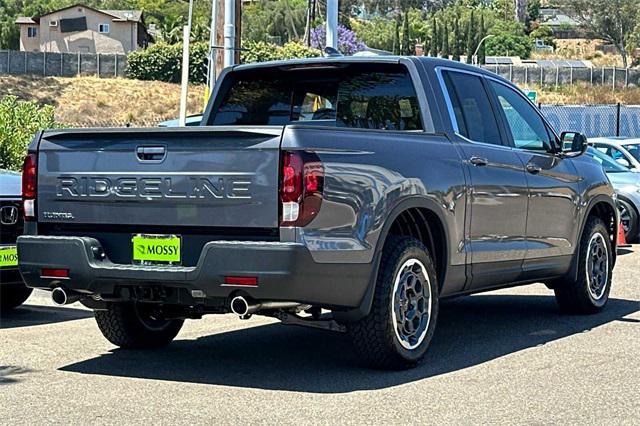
349, 194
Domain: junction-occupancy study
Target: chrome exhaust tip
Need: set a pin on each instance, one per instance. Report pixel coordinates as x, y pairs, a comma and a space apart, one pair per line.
60, 297
239, 306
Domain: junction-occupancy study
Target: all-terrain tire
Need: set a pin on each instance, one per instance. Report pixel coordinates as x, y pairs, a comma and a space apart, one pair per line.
13, 296
124, 325
578, 296
377, 337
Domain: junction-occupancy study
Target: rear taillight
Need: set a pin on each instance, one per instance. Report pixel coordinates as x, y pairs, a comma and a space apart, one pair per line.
29, 186
301, 185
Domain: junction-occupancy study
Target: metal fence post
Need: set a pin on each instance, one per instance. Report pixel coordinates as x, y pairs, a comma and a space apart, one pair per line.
526, 75
602, 75
591, 76
25, 61
613, 79
61, 64
511, 73
79, 68
98, 65
571, 75
618, 115
626, 77
541, 77
557, 76
115, 67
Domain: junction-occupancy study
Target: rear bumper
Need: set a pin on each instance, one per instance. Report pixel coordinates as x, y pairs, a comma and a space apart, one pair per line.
285, 271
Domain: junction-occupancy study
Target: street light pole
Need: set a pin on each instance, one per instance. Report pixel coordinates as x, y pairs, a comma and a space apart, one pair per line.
475, 54
332, 24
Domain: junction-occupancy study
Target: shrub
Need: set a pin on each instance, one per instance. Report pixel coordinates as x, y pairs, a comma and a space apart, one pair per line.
164, 62
19, 121
259, 51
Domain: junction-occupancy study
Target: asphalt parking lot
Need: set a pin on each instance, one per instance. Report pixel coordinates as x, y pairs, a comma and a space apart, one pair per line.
501, 357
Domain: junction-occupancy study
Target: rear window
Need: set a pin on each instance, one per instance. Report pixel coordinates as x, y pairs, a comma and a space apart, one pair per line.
380, 97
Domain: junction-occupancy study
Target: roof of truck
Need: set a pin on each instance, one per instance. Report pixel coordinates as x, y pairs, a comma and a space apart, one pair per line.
427, 61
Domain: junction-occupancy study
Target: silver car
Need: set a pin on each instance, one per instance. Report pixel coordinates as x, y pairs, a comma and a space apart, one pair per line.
627, 186
626, 151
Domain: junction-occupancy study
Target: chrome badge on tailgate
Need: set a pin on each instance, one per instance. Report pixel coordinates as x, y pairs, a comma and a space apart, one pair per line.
187, 186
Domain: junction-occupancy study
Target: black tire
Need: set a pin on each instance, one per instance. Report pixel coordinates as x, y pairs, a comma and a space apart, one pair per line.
13, 296
588, 293
379, 340
128, 325
628, 219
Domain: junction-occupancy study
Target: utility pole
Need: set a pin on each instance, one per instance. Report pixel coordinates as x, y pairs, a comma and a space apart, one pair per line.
184, 86
220, 38
332, 24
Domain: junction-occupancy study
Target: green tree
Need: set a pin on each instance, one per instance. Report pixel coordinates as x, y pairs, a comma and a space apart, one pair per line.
544, 33
433, 51
508, 39
482, 56
445, 41
456, 40
407, 44
471, 37
397, 44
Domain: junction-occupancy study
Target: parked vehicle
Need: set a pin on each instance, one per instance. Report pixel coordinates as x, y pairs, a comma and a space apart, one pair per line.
13, 291
370, 187
627, 187
626, 151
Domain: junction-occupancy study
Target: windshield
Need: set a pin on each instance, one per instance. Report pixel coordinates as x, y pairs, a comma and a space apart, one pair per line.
634, 150
608, 164
372, 97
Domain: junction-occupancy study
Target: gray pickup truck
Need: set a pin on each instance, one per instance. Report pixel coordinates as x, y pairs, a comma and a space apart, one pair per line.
348, 194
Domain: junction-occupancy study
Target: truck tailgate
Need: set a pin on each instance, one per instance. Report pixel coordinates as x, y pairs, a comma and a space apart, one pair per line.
203, 177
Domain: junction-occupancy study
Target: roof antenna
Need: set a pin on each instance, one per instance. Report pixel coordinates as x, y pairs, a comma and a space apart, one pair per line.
330, 52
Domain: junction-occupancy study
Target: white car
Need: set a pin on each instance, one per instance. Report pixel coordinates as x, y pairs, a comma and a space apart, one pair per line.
626, 151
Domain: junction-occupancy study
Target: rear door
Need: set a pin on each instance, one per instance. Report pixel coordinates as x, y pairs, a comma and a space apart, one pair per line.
191, 177
496, 237
552, 220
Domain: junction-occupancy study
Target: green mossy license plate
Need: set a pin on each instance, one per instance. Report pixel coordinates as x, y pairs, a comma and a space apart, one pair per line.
153, 249
8, 256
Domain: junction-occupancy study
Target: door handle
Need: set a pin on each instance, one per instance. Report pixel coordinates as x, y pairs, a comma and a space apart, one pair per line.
151, 153
534, 170
478, 161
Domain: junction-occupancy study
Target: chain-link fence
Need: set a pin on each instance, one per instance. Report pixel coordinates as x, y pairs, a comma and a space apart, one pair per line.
595, 120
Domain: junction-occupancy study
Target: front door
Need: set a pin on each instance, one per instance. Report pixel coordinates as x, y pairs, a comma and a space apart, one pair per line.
552, 219
496, 235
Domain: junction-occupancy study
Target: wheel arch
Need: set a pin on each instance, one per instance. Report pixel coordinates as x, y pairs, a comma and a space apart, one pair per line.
603, 207
435, 231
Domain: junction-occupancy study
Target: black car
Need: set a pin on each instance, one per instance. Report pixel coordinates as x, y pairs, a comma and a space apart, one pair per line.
13, 292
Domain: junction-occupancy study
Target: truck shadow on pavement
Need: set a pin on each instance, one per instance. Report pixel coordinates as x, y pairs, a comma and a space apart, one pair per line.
471, 331
29, 315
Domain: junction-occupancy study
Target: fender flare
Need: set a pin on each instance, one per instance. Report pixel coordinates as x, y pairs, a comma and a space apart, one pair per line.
573, 272
405, 204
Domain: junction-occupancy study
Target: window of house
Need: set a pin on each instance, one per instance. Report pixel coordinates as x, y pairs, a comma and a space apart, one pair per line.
32, 32
104, 28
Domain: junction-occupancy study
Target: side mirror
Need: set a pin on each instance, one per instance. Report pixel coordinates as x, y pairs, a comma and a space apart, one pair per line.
573, 143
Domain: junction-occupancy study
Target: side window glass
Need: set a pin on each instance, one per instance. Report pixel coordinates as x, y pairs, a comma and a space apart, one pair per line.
472, 108
376, 100
526, 126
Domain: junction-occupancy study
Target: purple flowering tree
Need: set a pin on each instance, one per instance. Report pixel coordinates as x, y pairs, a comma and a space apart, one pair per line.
348, 42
